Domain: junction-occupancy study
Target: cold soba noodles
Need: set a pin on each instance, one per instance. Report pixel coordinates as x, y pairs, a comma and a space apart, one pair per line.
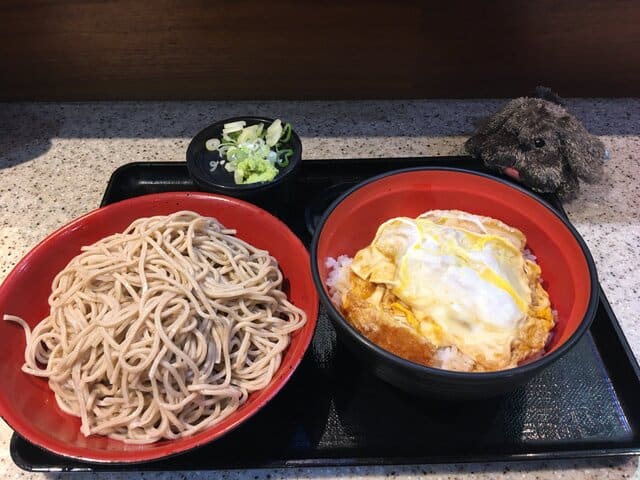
163, 330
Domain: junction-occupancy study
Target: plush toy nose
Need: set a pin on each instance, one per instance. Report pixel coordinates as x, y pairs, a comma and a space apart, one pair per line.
512, 172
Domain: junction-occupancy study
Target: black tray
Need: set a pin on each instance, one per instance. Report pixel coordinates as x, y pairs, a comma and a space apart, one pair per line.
334, 413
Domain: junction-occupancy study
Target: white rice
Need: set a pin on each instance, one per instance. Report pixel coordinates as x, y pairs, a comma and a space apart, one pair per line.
450, 358
338, 278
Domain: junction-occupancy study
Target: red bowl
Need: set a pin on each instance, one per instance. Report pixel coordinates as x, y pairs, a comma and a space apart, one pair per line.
567, 267
26, 402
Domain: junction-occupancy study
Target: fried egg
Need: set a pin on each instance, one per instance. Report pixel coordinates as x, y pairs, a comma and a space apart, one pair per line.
456, 280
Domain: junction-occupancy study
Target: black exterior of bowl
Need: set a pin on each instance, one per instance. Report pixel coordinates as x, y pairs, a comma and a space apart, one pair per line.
436, 383
422, 381
268, 195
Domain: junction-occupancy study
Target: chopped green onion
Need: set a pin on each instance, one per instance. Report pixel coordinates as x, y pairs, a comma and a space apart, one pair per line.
283, 157
252, 152
286, 133
250, 134
234, 126
212, 144
274, 132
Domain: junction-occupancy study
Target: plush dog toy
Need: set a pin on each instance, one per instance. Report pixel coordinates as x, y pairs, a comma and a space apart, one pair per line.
536, 141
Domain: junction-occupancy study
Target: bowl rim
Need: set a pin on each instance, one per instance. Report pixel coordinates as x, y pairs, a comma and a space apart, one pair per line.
204, 182
167, 449
416, 368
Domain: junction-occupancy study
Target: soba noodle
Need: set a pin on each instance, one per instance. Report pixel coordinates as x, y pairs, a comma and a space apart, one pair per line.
163, 330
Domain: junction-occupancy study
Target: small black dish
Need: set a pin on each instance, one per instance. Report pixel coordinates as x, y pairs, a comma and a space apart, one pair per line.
209, 175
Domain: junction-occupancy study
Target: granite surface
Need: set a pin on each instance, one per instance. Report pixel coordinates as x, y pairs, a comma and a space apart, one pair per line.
55, 160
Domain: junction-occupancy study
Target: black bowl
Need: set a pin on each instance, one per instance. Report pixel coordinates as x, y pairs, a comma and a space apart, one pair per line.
569, 272
207, 173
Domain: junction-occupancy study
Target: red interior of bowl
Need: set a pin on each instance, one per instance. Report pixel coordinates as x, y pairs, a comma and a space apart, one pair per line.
354, 222
28, 404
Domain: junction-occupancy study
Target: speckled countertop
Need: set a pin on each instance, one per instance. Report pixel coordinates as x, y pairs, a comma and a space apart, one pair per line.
55, 161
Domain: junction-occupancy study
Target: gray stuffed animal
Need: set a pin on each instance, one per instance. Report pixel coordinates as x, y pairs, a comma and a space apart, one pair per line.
537, 142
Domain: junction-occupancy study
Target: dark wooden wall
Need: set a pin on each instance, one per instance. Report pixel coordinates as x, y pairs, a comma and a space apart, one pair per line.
281, 49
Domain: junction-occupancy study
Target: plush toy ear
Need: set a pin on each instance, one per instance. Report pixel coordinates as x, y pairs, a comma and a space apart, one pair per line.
494, 123
474, 144
583, 152
545, 93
